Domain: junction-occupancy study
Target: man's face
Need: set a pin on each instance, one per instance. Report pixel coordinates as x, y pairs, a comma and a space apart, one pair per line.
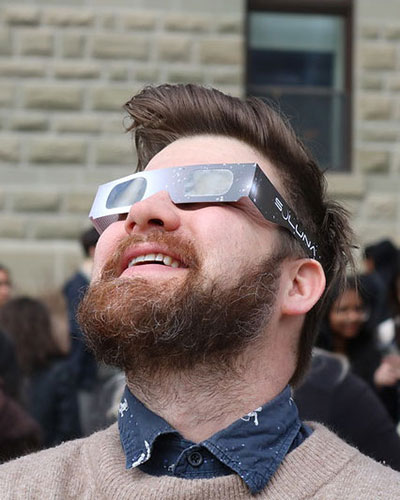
176, 272
225, 236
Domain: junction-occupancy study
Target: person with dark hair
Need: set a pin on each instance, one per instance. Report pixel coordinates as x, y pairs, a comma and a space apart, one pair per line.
345, 331
5, 285
81, 359
394, 305
331, 394
382, 258
89, 239
209, 280
48, 388
380, 261
10, 371
19, 433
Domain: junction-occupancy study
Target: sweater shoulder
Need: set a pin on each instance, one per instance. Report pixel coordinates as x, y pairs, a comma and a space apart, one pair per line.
65, 470
323, 467
326, 467
362, 477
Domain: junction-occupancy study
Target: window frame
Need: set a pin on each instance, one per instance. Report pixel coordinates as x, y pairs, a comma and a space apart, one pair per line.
343, 8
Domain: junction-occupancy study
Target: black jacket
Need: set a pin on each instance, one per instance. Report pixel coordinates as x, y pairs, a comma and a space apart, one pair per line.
51, 398
332, 395
82, 361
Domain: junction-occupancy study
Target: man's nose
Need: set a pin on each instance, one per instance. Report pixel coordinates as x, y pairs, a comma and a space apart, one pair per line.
157, 211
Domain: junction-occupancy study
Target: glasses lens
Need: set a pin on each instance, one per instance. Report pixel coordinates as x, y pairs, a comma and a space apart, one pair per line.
127, 193
205, 182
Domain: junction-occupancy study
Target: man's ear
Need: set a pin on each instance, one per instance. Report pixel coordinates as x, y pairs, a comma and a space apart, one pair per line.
304, 285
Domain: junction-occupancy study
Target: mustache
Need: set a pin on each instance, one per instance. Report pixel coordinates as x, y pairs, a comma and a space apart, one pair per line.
183, 249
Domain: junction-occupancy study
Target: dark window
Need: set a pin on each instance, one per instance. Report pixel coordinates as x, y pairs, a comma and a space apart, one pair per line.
299, 55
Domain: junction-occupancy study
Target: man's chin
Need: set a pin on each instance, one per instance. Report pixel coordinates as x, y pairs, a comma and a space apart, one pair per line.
176, 324
129, 321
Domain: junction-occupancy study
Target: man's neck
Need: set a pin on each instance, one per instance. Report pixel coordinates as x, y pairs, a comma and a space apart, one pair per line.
203, 400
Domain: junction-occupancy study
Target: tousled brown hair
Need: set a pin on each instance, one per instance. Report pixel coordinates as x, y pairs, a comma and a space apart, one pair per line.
160, 115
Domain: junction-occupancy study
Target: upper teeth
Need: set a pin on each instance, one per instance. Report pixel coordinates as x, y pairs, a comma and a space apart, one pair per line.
158, 257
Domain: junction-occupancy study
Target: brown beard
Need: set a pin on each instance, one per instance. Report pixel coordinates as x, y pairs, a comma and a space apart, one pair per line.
137, 325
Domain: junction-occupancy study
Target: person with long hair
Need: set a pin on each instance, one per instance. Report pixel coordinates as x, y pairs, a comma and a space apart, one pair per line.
19, 433
345, 331
49, 393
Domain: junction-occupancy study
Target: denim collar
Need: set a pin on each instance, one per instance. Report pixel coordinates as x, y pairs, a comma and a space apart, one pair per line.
252, 446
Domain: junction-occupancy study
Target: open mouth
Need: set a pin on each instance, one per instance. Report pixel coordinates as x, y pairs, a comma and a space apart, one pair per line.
155, 258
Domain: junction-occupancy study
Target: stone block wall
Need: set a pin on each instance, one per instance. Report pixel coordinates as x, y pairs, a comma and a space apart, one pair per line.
66, 69
376, 127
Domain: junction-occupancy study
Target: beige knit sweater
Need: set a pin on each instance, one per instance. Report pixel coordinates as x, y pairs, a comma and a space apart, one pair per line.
323, 467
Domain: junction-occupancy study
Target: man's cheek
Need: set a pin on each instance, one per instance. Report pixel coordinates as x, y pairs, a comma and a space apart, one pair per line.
105, 248
99, 261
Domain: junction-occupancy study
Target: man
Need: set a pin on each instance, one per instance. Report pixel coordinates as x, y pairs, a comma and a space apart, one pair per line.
207, 291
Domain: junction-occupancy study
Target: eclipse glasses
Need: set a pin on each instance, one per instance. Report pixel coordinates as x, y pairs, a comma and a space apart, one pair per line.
215, 183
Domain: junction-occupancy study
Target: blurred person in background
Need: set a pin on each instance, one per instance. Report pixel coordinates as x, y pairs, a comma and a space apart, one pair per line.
5, 285
381, 260
55, 302
333, 395
10, 371
19, 432
392, 325
48, 388
82, 361
345, 331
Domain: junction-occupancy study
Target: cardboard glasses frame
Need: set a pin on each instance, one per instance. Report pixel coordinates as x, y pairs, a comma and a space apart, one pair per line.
211, 183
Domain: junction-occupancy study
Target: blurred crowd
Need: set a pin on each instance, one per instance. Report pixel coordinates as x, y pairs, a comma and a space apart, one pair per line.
52, 389
353, 384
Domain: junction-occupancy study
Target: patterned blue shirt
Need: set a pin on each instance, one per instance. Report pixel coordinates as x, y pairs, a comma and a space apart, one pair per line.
253, 446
